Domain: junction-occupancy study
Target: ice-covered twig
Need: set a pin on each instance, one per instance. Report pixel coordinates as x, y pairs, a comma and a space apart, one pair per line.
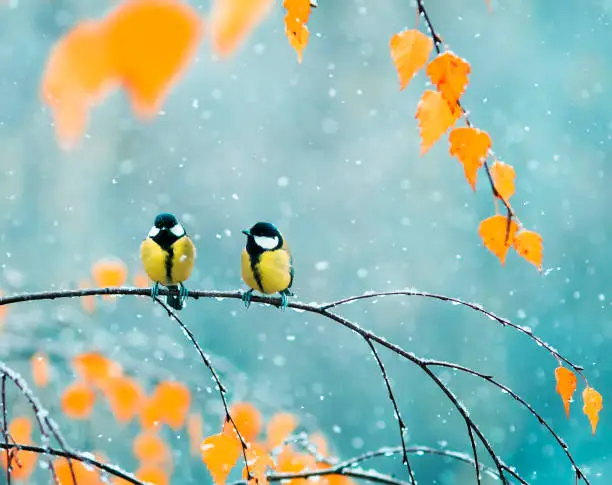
215, 376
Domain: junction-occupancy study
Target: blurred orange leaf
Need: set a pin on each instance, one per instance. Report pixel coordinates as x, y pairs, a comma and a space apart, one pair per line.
125, 397
109, 272
233, 20
96, 369
289, 461
319, 442
151, 414
410, 51
435, 117
260, 462
40, 369
529, 245
503, 176
20, 429
449, 73
593, 404
566, 386
497, 236
220, 453
296, 18
280, 426
77, 74
84, 475
78, 400
3, 311
470, 146
174, 400
247, 418
141, 280
151, 43
88, 303
149, 448
195, 429
153, 474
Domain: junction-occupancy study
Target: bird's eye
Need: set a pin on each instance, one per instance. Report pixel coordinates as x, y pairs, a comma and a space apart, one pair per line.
154, 231
265, 242
177, 230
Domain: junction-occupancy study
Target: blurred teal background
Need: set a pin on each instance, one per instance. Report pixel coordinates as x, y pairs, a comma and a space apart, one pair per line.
329, 151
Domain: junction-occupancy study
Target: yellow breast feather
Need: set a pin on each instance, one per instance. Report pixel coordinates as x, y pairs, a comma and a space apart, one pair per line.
183, 257
272, 271
153, 260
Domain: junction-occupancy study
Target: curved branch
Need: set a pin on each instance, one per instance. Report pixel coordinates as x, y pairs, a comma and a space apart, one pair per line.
73, 455
323, 310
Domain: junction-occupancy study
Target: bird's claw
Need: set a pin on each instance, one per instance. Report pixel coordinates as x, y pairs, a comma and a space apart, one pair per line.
155, 290
284, 300
246, 298
183, 293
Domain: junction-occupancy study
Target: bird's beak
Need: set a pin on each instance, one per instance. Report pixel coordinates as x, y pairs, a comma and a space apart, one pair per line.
246, 232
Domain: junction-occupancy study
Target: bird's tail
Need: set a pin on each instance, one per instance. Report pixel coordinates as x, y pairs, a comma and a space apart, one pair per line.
174, 300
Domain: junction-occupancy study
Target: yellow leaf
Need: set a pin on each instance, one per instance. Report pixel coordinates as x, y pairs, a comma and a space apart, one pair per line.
220, 453
296, 30
529, 245
470, 146
566, 386
503, 176
435, 117
449, 73
593, 404
410, 50
497, 236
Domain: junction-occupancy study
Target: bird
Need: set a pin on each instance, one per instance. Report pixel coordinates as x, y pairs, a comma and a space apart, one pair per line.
168, 255
267, 264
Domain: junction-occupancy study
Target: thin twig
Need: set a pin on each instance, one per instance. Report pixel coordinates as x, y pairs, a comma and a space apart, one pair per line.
215, 376
5, 430
402, 425
81, 457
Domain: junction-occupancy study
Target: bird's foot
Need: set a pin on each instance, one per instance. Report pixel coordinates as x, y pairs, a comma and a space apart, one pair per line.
284, 300
246, 298
183, 293
155, 290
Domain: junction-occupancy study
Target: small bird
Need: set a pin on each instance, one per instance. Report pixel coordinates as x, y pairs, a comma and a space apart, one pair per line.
267, 265
168, 255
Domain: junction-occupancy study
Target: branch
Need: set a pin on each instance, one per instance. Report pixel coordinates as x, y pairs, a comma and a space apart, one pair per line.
86, 459
324, 310
222, 390
398, 416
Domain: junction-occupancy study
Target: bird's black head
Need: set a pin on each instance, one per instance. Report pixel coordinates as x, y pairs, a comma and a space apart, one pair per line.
166, 230
263, 236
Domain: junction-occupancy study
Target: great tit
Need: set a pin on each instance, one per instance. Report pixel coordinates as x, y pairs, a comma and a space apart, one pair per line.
168, 255
267, 265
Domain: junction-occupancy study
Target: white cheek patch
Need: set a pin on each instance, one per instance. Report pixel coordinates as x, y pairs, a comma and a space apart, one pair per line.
154, 231
177, 230
265, 242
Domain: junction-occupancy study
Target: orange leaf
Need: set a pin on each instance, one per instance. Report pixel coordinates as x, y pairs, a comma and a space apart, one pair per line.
470, 146
174, 400
151, 449
125, 397
40, 369
279, 427
151, 414
248, 421
232, 20
593, 404
151, 43
289, 461
220, 453
78, 400
195, 426
296, 30
497, 236
503, 176
435, 117
84, 475
141, 280
153, 474
260, 462
88, 303
529, 245
95, 369
109, 272
319, 442
410, 50
449, 73
78, 73
566, 385
20, 429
